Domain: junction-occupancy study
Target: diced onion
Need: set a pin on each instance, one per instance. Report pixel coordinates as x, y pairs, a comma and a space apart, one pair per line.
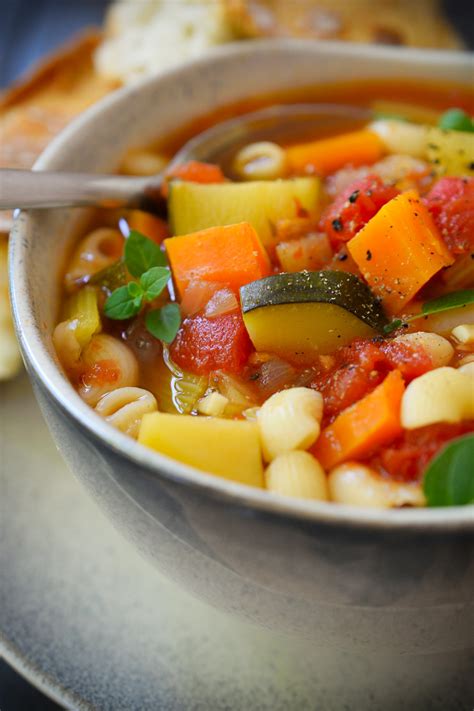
223, 302
275, 375
196, 296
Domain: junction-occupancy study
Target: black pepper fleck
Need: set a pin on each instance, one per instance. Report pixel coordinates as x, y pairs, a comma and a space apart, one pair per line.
337, 225
354, 196
368, 255
343, 257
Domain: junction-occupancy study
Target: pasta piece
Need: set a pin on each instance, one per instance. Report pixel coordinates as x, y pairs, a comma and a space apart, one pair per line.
439, 349
108, 364
290, 420
297, 474
124, 408
357, 485
98, 250
464, 333
441, 395
67, 346
10, 359
260, 161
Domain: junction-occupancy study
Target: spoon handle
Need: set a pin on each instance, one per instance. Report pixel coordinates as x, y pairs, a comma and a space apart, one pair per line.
39, 189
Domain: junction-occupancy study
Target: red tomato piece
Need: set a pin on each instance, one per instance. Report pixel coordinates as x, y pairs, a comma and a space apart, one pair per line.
203, 345
360, 367
451, 203
354, 207
407, 458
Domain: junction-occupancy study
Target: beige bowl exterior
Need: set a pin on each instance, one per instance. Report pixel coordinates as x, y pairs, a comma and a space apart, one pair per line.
353, 579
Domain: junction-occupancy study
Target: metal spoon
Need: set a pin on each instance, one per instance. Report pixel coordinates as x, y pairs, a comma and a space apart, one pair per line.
27, 189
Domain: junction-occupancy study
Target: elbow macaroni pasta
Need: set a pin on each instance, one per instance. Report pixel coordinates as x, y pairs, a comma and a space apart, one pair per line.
108, 364
125, 407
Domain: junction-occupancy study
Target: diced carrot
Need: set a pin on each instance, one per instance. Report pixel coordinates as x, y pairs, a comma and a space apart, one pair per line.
329, 154
399, 250
365, 425
149, 225
232, 255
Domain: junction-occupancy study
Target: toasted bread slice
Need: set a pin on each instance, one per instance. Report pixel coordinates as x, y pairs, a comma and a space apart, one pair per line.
397, 22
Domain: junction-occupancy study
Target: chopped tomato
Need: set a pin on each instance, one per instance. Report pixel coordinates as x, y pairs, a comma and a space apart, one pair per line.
354, 207
205, 344
407, 458
100, 373
194, 172
451, 203
360, 367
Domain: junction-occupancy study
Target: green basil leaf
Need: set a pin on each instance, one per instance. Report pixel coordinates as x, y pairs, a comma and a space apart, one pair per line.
134, 289
456, 120
141, 254
120, 305
164, 323
154, 281
449, 301
449, 479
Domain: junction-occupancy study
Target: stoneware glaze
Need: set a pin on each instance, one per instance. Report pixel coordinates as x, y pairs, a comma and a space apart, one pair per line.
350, 579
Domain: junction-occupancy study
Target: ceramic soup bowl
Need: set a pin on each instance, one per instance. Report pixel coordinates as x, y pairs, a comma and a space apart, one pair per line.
351, 578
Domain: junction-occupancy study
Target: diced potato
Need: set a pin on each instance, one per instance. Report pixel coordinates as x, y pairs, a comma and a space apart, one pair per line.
195, 207
227, 448
450, 152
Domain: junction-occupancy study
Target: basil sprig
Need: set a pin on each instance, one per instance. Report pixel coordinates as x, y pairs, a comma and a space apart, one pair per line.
146, 262
443, 303
449, 479
456, 120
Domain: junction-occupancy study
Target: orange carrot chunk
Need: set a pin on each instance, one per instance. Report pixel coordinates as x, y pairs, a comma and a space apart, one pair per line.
231, 255
329, 154
364, 426
152, 227
399, 250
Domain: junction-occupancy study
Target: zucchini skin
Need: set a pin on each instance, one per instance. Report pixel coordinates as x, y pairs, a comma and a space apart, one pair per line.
331, 287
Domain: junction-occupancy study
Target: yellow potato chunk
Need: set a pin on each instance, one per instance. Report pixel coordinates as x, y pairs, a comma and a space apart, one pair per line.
193, 207
227, 448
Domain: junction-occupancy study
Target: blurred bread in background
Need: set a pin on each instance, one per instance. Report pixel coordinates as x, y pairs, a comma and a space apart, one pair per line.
409, 23
145, 37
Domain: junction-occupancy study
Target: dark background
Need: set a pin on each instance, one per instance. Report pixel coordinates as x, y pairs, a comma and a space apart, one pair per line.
29, 29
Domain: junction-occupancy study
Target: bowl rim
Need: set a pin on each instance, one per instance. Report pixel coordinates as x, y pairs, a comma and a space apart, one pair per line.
50, 377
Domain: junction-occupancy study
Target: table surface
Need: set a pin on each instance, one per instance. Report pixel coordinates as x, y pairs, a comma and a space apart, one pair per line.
27, 31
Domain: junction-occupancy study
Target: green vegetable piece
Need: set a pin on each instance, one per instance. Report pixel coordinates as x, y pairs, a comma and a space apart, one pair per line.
456, 120
455, 300
111, 277
448, 301
393, 326
449, 479
141, 254
164, 323
299, 316
122, 305
154, 281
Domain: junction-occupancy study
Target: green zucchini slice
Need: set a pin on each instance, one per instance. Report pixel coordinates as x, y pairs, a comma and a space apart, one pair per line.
299, 316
